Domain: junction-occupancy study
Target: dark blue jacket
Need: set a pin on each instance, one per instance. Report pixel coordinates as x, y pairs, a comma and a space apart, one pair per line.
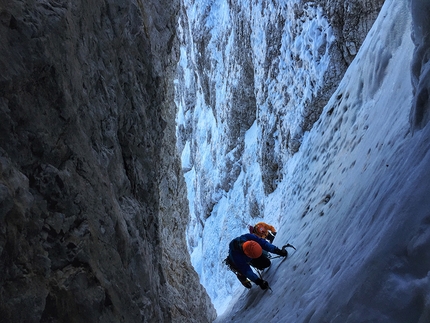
240, 260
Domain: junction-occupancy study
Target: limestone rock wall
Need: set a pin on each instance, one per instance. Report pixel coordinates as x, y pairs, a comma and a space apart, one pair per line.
92, 198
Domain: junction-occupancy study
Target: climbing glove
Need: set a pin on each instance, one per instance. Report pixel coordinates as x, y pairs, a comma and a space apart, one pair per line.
262, 283
281, 252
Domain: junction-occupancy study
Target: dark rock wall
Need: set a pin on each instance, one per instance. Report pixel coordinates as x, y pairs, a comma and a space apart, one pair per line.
92, 199
420, 113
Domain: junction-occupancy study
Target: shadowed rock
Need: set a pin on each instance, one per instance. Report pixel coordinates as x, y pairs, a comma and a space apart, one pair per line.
92, 198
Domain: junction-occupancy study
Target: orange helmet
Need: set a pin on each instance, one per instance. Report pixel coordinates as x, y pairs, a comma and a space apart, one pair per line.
260, 231
252, 249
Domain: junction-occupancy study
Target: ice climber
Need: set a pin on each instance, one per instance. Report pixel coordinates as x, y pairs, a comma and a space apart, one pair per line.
263, 230
246, 251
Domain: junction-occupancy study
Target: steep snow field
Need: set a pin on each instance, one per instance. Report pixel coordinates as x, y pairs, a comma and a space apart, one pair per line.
354, 201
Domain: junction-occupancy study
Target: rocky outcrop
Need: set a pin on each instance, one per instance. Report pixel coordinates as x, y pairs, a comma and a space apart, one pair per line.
420, 113
92, 198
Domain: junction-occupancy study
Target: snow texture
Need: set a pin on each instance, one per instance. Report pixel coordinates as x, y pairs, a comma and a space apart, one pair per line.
354, 200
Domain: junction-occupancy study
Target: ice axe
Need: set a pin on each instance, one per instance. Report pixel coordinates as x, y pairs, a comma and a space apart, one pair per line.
288, 245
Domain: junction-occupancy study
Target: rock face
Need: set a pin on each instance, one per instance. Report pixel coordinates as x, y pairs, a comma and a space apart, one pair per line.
92, 198
420, 112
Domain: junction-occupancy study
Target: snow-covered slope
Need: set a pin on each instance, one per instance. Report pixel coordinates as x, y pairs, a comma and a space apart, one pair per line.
354, 200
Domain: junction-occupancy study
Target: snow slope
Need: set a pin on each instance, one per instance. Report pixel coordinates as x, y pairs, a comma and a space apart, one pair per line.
354, 201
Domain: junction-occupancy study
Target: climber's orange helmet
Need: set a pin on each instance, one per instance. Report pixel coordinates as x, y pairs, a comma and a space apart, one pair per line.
252, 249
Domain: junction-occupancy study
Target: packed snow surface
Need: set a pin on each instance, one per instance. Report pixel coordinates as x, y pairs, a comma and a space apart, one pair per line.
354, 201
